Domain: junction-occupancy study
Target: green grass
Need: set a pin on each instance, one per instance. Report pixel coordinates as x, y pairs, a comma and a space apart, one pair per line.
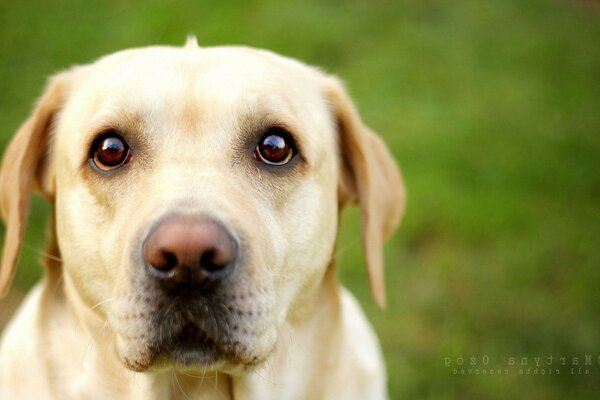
492, 109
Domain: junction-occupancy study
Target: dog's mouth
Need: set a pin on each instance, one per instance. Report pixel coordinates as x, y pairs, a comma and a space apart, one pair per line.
190, 343
191, 347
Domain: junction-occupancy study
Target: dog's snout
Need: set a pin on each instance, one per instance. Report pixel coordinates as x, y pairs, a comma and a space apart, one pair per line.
184, 253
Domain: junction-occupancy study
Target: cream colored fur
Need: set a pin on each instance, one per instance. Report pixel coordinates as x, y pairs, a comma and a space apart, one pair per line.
190, 110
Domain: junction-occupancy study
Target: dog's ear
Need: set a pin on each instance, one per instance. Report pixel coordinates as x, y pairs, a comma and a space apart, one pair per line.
26, 167
368, 176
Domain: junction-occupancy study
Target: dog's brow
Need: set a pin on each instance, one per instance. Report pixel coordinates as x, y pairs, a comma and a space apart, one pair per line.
116, 116
254, 120
253, 123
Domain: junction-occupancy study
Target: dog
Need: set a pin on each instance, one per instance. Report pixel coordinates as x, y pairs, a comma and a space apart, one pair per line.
195, 200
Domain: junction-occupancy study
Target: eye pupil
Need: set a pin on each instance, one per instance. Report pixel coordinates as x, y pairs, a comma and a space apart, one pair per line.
274, 148
110, 151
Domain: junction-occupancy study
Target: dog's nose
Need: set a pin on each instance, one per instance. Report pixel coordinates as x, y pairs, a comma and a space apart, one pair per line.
186, 253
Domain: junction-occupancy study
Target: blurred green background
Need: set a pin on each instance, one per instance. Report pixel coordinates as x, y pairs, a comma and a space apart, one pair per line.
492, 109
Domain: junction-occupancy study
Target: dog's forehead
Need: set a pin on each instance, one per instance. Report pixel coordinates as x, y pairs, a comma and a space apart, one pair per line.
220, 74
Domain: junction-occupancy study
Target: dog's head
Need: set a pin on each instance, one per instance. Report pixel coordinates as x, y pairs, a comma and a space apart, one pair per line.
196, 195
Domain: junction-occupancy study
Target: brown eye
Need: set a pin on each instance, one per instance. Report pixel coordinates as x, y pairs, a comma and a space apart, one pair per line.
110, 151
274, 148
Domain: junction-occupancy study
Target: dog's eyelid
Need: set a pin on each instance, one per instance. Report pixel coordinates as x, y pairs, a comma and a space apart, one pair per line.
291, 131
283, 131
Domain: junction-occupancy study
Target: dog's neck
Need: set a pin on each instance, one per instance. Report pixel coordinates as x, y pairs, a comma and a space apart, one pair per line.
83, 363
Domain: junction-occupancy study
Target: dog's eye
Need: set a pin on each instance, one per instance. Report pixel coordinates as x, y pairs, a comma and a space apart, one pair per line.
275, 147
110, 151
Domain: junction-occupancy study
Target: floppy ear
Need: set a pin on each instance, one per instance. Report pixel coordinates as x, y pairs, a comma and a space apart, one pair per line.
24, 166
369, 176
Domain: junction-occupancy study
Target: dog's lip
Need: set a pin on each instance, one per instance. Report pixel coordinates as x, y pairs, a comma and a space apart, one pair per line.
193, 337
188, 346
192, 346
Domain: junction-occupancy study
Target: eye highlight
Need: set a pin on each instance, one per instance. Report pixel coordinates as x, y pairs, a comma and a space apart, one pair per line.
110, 151
275, 147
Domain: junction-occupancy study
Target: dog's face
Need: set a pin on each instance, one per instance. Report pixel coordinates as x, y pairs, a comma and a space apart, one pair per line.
197, 126
196, 196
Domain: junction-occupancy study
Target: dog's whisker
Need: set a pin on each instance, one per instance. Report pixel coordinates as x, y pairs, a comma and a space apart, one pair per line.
288, 345
214, 318
203, 374
268, 370
178, 383
87, 353
58, 285
345, 248
222, 395
172, 383
104, 327
43, 253
186, 373
101, 303
216, 386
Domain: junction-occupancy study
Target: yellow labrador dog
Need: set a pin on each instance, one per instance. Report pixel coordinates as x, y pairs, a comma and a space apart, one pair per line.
195, 194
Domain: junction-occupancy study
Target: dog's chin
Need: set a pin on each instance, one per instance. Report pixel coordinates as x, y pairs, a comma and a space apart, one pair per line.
190, 348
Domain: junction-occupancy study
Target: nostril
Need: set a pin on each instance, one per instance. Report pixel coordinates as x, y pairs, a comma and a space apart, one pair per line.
209, 261
170, 261
163, 260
